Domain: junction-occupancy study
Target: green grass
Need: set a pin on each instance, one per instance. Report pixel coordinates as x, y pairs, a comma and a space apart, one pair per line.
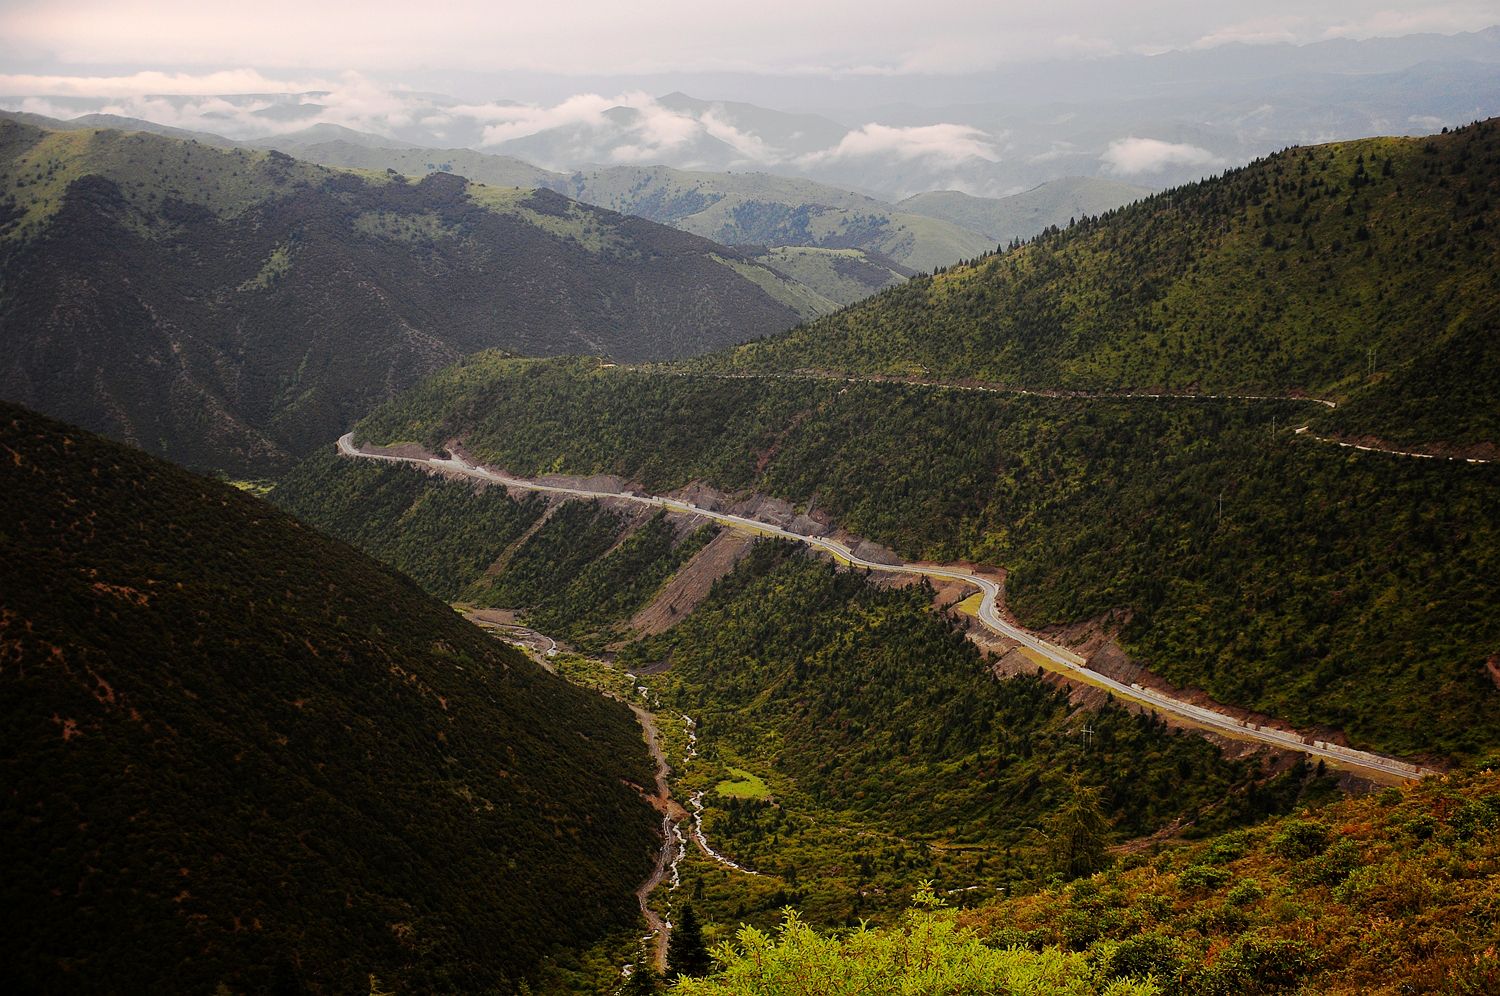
743, 784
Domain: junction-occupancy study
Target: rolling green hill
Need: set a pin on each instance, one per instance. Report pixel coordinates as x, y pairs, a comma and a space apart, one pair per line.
729, 208
241, 754
1331, 589
231, 309
1361, 271
769, 210
840, 275
1020, 216
480, 167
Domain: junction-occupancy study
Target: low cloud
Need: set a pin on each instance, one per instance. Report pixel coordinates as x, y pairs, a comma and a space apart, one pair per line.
627, 128
1261, 31
508, 122
1138, 156
943, 142
143, 83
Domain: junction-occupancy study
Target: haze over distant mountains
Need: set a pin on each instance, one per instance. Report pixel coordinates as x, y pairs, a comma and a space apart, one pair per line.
1152, 120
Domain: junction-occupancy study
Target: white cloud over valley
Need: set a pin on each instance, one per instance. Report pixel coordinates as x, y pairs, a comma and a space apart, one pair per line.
945, 142
1142, 156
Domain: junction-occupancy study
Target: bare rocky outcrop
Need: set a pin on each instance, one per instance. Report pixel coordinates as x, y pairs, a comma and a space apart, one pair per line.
691, 584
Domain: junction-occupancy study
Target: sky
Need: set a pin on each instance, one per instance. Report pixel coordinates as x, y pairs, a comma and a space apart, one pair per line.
484, 74
297, 40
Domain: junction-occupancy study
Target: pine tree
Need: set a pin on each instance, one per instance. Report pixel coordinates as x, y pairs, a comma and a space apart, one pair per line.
1079, 831
686, 952
642, 982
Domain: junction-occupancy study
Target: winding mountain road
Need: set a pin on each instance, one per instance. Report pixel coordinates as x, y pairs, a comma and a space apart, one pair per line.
1058, 658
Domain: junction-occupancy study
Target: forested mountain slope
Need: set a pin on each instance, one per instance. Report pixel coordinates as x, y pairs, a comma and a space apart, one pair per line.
1362, 271
241, 753
231, 309
861, 708
1330, 589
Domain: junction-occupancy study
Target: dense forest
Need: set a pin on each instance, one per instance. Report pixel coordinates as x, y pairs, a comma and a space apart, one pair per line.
244, 755
231, 310
580, 571
441, 537
876, 748
1323, 586
1362, 271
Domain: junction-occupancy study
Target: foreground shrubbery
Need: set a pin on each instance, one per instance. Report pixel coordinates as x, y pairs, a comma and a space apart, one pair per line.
1393, 893
928, 954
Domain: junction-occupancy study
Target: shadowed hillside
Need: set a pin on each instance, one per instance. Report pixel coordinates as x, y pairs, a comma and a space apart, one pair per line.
242, 753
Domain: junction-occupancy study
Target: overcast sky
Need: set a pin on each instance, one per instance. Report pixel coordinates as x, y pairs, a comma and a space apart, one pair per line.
295, 39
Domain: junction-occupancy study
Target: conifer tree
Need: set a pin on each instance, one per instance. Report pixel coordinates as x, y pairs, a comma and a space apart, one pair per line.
642, 982
686, 952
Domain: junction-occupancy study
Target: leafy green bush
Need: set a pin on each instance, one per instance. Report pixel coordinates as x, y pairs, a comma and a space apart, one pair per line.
1300, 839
1203, 877
1332, 866
1157, 955
927, 954
1256, 963
1246, 892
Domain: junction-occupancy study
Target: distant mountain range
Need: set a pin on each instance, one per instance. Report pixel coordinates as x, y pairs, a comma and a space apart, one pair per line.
730, 208
1154, 121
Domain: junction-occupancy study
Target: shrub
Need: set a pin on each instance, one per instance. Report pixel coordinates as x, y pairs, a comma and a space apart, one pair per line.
1255, 963
1473, 819
1230, 847
1246, 892
1202, 877
1301, 839
1332, 866
1155, 954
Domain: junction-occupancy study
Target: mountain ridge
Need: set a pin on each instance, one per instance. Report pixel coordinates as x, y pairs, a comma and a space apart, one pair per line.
1356, 271
231, 309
